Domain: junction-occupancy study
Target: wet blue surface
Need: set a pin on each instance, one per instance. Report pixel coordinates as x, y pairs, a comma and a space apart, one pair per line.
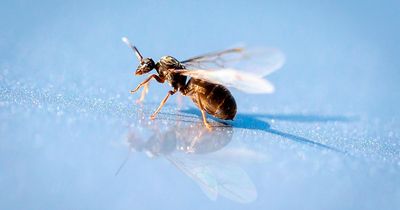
72, 136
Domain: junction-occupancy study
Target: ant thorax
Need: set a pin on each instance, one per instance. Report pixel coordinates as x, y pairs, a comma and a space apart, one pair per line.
167, 62
163, 67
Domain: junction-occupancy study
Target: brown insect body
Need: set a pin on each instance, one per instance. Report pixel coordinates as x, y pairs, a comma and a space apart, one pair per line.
216, 99
207, 89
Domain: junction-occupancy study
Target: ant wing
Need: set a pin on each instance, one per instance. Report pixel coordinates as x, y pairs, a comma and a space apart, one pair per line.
259, 61
203, 178
218, 179
213, 58
246, 82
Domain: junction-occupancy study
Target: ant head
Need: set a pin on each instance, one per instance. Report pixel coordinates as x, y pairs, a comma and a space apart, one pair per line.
146, 64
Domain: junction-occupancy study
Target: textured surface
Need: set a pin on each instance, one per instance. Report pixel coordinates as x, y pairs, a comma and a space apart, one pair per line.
328, 138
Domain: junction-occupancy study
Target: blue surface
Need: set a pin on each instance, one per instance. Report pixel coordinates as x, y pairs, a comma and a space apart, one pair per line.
327, 139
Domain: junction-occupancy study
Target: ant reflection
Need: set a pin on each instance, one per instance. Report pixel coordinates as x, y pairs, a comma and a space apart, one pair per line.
189, 139
190, 148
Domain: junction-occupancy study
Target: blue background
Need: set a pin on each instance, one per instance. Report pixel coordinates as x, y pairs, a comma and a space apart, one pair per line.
66, 110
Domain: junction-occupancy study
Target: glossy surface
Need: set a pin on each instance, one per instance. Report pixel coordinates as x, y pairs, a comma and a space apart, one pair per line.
327, 139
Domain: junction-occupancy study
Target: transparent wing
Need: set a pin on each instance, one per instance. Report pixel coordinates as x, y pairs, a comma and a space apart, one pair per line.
201, 176
259, 61
217, 179
214, 58
243, 81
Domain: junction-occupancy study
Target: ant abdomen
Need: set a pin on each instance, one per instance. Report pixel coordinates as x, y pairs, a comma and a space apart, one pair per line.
216, 99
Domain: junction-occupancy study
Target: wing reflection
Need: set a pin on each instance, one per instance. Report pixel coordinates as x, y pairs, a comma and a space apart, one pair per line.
192, 150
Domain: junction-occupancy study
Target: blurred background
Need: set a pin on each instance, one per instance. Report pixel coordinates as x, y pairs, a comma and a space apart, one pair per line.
328, 138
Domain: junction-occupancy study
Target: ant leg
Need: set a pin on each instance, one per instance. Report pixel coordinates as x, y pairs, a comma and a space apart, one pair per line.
171, 92
143, 94
156, 77
203, 113
195, 141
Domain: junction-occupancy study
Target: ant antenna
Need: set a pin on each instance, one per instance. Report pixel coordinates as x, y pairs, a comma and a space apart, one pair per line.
137, 53
123, 163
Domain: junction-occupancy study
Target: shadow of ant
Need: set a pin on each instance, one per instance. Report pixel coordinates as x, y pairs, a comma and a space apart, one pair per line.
252, 121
